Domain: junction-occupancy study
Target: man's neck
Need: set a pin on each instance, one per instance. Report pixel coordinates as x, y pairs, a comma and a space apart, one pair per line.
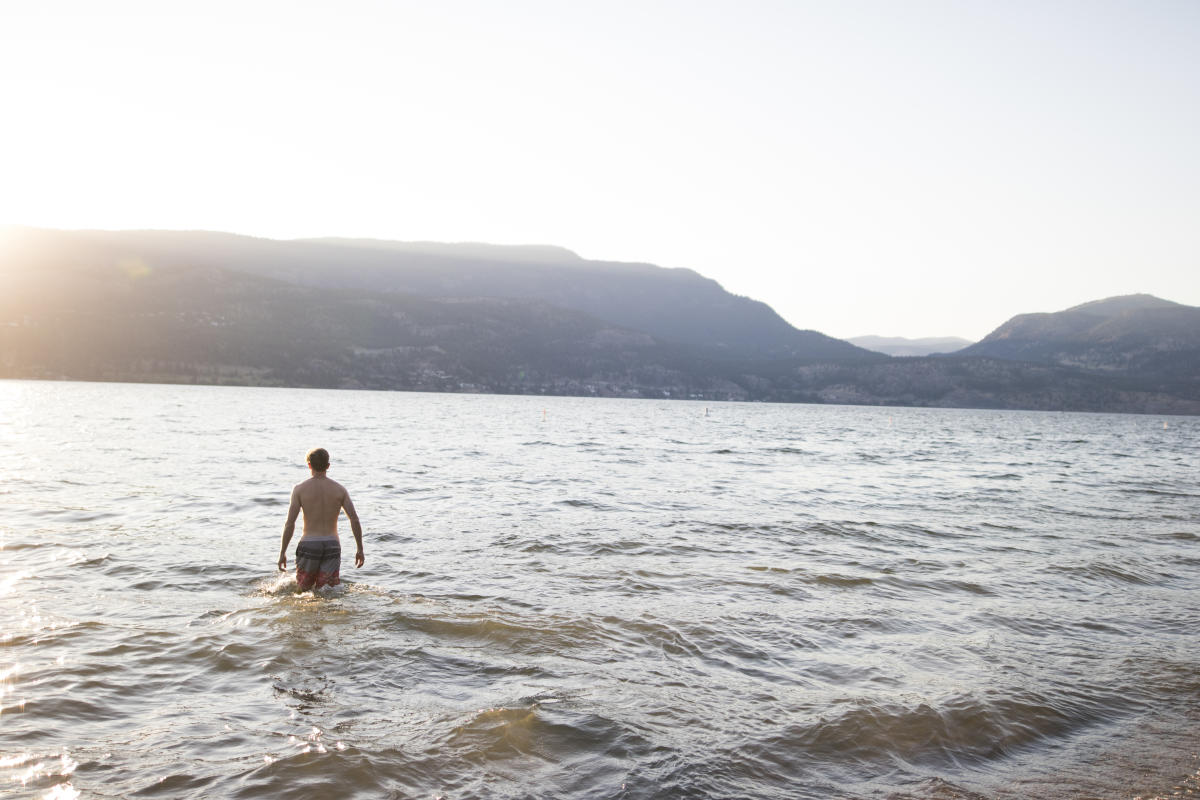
316, 474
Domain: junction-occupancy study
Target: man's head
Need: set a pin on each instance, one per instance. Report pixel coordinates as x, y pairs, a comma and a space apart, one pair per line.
318, 459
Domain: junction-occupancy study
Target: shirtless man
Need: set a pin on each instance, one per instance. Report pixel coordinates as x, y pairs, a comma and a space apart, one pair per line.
319, 553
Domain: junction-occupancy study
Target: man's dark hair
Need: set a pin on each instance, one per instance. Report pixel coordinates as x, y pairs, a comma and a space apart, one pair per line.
318, 459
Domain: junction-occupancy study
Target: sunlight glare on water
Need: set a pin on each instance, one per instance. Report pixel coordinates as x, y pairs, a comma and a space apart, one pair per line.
584, 598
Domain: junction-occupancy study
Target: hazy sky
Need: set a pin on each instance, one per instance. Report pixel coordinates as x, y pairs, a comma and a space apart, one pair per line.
894, 167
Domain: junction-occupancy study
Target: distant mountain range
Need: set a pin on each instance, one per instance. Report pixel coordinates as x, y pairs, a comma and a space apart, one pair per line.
1131, 335
899, 346
218, 308
672, 305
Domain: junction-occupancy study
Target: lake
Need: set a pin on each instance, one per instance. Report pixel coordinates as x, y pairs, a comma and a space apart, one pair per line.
588, 598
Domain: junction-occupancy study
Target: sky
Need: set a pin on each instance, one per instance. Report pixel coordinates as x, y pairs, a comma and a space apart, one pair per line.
916, 168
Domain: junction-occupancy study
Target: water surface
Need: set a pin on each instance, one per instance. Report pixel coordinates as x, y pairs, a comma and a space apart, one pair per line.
582, 598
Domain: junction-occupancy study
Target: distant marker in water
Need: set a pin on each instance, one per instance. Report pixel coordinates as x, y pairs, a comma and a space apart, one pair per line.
1164, 424
706, 411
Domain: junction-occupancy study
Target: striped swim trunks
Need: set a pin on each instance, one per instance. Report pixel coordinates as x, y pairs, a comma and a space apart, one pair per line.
318, 562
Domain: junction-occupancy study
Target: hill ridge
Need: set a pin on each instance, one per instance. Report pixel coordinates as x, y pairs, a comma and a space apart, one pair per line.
673, 305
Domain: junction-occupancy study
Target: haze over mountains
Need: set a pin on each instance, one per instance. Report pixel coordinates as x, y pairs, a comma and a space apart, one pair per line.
900, 346
219, 308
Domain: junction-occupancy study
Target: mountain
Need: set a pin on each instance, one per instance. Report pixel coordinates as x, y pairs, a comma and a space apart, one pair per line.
209, 325
673, 305
152, 307
1135, 335
899, 346
218, 308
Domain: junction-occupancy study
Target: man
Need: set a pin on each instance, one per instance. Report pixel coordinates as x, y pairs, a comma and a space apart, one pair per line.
319, 553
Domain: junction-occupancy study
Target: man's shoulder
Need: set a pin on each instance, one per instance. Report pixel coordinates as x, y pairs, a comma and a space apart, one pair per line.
327, 485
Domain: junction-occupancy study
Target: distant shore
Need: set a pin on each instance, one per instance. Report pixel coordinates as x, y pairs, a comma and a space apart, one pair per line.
1101, 403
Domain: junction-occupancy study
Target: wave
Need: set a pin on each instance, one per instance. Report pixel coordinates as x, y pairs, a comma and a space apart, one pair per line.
957, 730
511, 630
587, 504
1108, 572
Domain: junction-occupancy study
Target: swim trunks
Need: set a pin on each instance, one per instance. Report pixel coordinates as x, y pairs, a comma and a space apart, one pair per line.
318, 562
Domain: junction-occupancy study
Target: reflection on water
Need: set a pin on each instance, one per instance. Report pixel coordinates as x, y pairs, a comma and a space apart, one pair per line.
588, 598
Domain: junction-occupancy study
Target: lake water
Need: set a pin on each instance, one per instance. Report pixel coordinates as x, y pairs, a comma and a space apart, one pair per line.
581, 598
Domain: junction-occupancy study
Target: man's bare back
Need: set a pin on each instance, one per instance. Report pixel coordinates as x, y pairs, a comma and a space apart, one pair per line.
322, 501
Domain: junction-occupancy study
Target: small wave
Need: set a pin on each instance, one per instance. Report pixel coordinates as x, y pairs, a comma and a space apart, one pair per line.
1026, 625
850, 627
592, 504
11, 546
1101, 627
1155, 492
145, 586
535, 546
56, 632
842, 581
998, 526
963, 728
621, 547
518, 632
76, 514
546, 733
948, 586
1108, 572
177, 785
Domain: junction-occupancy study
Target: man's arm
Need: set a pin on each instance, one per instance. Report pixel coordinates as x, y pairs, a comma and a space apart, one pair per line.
289, 527
355, 526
